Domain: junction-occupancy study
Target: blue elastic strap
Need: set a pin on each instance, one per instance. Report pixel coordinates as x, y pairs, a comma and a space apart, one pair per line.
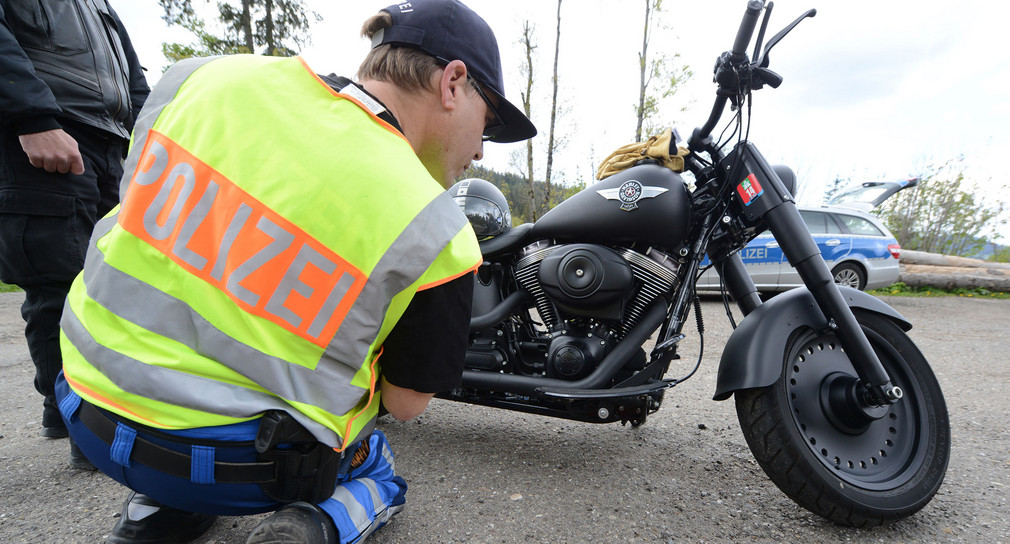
69, 406
201, 468
122, 445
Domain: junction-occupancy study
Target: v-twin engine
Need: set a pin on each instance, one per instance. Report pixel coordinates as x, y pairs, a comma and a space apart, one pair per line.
610, 285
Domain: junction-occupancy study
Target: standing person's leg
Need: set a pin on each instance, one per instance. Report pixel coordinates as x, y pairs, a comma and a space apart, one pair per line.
41, 250
46, 220
41, 311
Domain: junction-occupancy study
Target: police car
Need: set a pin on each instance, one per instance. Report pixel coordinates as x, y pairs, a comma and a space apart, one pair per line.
858, 249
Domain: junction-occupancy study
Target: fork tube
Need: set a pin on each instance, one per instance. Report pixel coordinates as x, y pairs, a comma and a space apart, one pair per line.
739, 283
799, 247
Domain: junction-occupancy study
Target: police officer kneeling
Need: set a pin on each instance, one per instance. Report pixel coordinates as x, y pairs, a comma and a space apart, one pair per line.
284, 259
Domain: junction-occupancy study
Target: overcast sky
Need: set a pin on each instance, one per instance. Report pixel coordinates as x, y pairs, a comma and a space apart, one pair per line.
873, 89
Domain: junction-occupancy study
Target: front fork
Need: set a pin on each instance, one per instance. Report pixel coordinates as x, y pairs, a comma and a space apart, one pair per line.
779, 213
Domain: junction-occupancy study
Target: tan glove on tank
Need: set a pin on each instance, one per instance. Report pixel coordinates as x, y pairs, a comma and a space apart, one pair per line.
657, 148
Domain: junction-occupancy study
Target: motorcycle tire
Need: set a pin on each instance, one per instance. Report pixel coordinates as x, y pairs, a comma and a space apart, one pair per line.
855, 467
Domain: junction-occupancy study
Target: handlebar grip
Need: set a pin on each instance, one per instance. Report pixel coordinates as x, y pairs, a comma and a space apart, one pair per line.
747, 26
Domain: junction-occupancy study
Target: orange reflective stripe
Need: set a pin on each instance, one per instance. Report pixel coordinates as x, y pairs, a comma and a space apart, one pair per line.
363, 107
215, 230
91, 393
371, 395
449, 279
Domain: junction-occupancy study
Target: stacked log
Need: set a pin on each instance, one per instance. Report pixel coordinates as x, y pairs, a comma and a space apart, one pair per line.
921, 269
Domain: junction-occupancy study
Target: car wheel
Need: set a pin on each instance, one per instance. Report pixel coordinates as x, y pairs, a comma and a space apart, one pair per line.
849, 275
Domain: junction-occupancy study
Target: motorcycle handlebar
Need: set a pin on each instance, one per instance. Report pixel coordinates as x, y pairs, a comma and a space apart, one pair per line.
738, 54
747, 26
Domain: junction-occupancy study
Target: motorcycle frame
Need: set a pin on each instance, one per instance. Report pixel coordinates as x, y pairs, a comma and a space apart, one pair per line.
774, 207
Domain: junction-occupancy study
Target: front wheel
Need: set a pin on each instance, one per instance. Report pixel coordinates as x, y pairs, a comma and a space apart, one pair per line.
849, 275
856, 467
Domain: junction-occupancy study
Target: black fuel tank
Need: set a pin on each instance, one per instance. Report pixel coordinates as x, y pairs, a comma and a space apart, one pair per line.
647, 203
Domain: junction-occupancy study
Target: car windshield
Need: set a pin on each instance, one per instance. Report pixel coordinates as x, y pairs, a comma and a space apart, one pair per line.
860, 194
860, 226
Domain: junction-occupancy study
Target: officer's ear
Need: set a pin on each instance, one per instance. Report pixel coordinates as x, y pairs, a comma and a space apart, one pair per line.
452, 83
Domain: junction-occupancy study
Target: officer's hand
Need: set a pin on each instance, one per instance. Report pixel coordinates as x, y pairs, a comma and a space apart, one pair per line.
54, 151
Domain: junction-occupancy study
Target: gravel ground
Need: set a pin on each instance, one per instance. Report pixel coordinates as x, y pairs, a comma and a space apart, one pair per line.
485, 475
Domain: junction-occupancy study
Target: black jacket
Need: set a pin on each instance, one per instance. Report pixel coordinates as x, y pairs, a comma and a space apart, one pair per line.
67, 59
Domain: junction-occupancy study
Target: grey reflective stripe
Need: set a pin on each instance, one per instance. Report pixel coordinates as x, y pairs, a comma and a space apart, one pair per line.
377, 504
359, 516
327, 386
163, 93
180, 388
409, 256
365, 522
389, 458
380, 521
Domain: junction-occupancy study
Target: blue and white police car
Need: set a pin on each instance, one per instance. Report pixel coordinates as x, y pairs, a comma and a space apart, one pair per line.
858, 249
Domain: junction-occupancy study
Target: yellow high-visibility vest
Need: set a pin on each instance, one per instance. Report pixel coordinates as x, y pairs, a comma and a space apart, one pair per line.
272, 232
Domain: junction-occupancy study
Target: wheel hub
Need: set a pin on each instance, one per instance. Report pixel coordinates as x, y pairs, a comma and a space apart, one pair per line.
844, 404
861, 443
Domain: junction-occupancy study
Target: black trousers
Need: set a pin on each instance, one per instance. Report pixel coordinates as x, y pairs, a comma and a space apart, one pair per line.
46, 220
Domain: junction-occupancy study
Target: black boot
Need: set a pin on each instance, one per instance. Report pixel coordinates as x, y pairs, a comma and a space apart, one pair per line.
52, 421
145, 521
77, 458
296, 523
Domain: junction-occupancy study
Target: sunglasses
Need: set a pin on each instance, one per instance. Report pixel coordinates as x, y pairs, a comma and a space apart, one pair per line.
496, 126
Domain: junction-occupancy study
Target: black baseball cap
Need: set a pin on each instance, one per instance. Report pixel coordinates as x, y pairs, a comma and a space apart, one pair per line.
449, 30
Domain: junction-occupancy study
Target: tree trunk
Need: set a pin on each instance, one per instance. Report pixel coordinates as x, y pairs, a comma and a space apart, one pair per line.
527, 108
946, 277
247, 25
269, 23
554, 113
643, 64
935, 259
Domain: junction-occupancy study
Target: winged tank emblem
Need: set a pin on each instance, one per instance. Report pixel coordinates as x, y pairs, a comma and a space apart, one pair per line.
630, 192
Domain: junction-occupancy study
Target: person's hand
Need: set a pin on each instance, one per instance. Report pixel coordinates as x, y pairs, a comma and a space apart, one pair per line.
54, 151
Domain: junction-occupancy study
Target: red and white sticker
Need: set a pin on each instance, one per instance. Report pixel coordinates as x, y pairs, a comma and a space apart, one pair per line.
749, 189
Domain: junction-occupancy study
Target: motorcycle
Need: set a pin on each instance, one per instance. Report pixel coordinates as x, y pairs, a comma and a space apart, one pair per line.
836, 403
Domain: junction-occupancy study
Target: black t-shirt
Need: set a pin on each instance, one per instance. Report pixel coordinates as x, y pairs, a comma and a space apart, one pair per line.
425, 349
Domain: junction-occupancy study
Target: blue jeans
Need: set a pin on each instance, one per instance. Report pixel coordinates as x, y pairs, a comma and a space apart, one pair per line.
364, 499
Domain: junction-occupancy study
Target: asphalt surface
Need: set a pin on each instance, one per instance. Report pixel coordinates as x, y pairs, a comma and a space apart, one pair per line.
486, 475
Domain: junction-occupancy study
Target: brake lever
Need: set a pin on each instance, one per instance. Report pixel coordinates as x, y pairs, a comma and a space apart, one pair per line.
763, 61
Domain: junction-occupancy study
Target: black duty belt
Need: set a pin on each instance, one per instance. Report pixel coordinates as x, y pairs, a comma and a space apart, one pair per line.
291, 465
173, 462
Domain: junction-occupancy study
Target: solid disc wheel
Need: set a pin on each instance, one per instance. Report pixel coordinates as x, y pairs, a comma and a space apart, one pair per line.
849, 275
852, 465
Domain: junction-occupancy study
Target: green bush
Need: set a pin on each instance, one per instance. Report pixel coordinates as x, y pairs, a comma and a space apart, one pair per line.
902, 290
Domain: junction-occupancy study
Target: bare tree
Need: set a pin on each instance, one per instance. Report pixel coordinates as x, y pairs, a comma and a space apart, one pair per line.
527, 68
663, 67
835, 186
554, 113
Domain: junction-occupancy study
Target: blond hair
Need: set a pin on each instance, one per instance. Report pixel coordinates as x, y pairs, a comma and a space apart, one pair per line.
406, 67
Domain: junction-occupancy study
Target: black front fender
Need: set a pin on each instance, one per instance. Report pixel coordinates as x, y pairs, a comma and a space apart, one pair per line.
753, 356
